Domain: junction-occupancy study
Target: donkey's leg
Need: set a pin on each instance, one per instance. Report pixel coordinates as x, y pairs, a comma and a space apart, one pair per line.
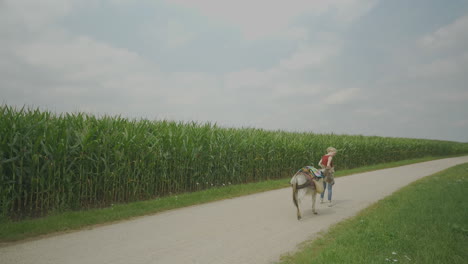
299, 216
314, 193
296, 201
298, 206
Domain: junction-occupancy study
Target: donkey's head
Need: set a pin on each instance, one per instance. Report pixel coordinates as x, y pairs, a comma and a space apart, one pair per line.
327, 172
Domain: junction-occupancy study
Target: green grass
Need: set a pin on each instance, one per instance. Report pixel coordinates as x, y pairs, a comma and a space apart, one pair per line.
425, 222
17, 230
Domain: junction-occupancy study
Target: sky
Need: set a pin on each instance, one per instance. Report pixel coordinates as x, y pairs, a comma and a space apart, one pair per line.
394, 68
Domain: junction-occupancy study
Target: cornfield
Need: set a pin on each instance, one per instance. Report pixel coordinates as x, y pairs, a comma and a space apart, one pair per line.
77, 161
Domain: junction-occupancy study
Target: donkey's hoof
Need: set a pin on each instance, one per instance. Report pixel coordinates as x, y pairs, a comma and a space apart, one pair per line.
299, 217
315, 212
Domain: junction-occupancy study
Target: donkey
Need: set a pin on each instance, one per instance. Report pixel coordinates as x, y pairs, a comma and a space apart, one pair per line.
302, 183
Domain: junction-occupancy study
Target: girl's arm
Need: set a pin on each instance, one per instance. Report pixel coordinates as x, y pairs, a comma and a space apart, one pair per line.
320, 163
330, 158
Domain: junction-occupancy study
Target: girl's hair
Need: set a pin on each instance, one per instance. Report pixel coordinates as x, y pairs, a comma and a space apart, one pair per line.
331, 149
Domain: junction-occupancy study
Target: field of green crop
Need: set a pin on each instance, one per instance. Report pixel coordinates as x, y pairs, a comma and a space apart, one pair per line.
77, 161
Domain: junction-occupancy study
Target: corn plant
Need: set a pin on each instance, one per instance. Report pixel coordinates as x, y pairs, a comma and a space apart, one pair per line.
78, 161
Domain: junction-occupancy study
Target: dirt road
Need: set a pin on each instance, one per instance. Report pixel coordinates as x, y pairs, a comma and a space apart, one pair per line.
252, 229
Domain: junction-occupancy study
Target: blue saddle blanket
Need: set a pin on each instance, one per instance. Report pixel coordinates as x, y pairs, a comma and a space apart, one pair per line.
312, 171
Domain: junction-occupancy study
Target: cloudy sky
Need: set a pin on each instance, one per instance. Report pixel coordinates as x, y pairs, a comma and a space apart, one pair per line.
394, 68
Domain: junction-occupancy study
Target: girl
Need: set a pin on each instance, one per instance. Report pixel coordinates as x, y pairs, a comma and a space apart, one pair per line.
326, 162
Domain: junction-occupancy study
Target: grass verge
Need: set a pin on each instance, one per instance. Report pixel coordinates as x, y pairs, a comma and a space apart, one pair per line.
11, 231
425, 222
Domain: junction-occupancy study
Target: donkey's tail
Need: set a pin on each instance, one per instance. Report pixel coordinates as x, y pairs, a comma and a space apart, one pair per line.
294, 191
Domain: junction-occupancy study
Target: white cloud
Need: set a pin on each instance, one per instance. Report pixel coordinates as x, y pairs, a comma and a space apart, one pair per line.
453, 97
285, 80
309, 56
95, 76
442, 53
35, 14
263, 18
346, 11
370, 112
297, 33
177, 35
462, 123
256, 18
250, 78
190, 88
444, 67
452, 36
79, 58
288, 90
342, 96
